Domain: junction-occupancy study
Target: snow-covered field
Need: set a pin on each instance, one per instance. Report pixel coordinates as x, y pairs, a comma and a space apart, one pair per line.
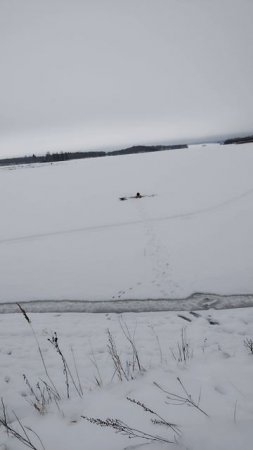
90, 75
217, 375
64, 234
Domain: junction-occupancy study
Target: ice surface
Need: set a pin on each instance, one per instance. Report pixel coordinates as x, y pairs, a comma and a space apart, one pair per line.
64, 234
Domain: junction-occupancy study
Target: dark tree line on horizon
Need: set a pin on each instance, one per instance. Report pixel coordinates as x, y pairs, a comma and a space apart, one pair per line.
66, 156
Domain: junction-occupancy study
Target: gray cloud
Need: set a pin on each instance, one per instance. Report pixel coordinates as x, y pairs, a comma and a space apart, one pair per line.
104, 72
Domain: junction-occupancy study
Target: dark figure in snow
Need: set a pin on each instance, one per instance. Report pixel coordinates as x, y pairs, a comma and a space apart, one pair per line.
137, 195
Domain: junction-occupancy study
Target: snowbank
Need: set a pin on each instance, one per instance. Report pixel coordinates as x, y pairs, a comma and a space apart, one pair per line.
217, 374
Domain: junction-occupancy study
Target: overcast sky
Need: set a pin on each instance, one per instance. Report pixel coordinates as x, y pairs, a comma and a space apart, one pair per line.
81, 74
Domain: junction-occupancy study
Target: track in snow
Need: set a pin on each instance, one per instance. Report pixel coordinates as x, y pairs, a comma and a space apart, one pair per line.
127, 223
196, 301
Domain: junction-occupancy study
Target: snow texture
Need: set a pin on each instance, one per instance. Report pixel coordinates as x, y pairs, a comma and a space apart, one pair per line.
64, 234
218, 373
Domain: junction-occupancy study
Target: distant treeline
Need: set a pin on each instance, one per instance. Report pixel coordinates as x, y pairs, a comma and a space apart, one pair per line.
239, 140
66, 156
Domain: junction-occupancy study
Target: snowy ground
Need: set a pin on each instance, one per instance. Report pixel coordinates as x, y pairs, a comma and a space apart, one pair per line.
65, 235
220, 368
94, 74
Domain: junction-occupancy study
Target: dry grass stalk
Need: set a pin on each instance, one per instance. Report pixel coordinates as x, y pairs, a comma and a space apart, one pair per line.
160, 420
22, 435
113, 352
120, 427
66, 369
186, 399
249, 344
183, 352
28, 320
